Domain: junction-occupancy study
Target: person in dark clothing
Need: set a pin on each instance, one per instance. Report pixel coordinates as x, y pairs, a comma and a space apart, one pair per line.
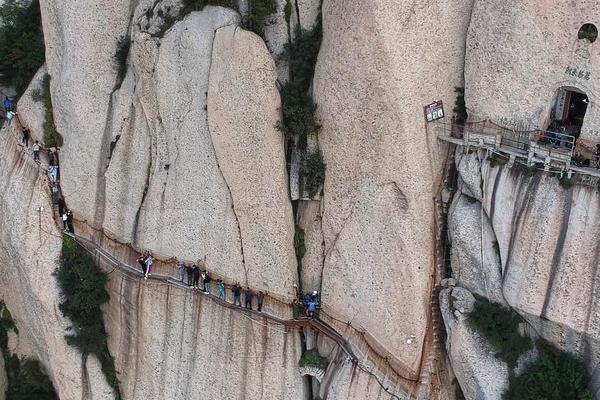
190, 274
249, 296
237, 291
61, 205
196, 275
50, 157
142, 261
7, 103
26, 134
207, 280
260, 297
70, 221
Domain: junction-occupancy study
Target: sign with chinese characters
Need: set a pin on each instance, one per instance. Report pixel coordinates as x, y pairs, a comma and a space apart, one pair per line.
578, 73
434, 111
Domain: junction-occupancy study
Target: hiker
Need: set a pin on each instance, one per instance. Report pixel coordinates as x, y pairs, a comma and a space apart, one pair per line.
51, 160
181, 270
7, 103
70, 221
9, 116
26, 134
598, 155
260, 297
207, 280
310, 310
64, 221
141, 260
149, 261
61, 206
237, 291
249, 296
53, 173
36, 151
55, 192
196, 276
221, 289
190, 274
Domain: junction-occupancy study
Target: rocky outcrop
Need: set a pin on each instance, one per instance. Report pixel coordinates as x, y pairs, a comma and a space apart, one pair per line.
382, 175
174, 343
520, 52
547, 242
30, 247
480, 374
243, 104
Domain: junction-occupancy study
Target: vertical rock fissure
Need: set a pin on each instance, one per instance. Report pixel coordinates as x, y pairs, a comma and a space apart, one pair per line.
237, 220
136, 220
558, 251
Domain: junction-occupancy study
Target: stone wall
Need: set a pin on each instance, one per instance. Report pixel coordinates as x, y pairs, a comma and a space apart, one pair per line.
520, 52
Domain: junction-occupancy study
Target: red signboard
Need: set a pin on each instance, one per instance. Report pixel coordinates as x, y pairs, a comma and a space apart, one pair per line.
434, 111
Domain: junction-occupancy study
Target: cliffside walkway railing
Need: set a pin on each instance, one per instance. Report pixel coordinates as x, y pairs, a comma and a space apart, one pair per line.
314, 323
551, 149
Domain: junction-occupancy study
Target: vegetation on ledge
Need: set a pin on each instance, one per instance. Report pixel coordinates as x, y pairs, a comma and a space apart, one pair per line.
312, 358
555, 375
500, 326
82, 284
51, 136
21, 43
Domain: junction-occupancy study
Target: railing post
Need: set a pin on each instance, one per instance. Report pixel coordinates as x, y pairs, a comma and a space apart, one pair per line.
531, 153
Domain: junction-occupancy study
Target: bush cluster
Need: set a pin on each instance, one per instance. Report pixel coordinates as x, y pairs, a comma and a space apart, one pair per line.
26, 379
51, 136
121, 54
556, 375
565, 181
258, 15
298, 108
82, 285
497, 160
500, 326
460, 108
21, 43
312, 358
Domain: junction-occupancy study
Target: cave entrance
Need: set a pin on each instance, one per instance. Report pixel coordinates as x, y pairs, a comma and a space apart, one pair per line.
568, 111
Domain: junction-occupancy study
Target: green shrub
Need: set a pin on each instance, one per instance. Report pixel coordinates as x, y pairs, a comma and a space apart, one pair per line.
311, 358
51, 136
298, 113
565, 181
82, 285
21, 43
312, 172
460, 108
556, 375
27, 380
299, 244
497, 160
500, 327
121, 54
6, 324
530, 171
258, 15
187, 7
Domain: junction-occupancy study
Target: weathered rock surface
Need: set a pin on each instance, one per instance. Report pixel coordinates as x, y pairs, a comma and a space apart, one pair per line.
481, 375
173, 343
243, 104
29, 252
382, 167
31, 112
520, 52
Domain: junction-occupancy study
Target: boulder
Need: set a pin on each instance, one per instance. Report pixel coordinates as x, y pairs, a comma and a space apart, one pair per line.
250, 155
383, 169
480, 374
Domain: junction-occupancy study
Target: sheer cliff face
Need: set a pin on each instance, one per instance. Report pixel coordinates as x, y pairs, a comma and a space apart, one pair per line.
533, 245
520, 52
183, 158
377, 67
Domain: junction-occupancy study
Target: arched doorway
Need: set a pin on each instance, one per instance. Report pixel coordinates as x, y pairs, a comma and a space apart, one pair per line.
568, 111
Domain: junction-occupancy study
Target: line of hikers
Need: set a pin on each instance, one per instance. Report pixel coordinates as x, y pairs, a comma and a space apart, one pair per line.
200, 279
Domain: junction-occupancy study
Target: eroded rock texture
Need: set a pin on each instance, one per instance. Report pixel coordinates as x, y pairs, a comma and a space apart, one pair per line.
381, 173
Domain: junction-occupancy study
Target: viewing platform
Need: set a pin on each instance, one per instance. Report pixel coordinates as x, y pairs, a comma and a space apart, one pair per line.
550, 151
